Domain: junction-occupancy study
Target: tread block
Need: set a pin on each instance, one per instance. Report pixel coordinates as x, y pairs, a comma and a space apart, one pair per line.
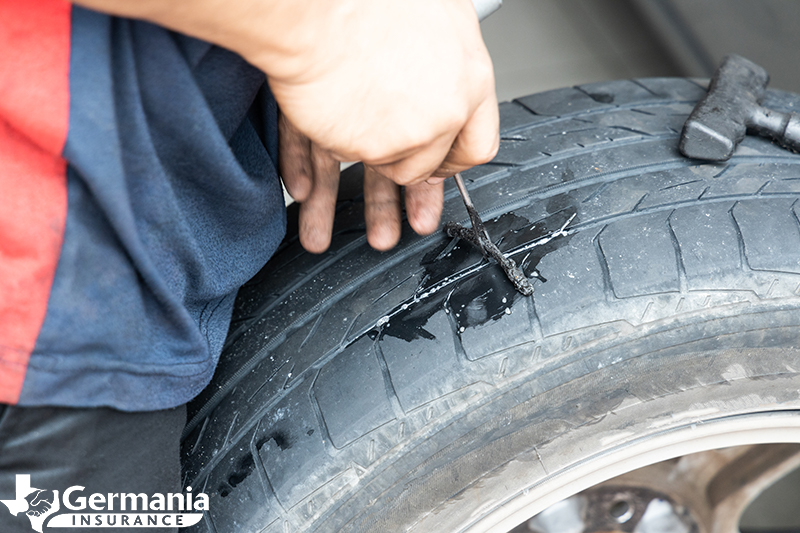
507, 328
351, 394
237, 497
560, 102
426, 369
615, 198
707, 241
783, 100
556, 138
334, 326
574, 286
292, 448
619, 92
275, 372
673, 88
640, 256
747, 179
514, 116
771, 234
676, 186
783, 178
671, 117
386, 291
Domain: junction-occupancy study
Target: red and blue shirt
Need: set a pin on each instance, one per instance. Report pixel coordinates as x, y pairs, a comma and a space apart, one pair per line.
138, 191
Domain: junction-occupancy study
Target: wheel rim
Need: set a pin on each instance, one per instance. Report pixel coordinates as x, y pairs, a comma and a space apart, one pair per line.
694, 438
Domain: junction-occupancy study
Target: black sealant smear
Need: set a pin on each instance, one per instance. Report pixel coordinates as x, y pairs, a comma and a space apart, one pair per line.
482, 298
458, 281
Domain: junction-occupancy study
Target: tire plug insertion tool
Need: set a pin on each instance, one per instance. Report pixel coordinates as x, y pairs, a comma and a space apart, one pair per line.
480, 238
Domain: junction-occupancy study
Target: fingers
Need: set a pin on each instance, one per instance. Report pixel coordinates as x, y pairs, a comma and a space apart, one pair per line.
478, 141
319, 205
424, 206
383, 213
381, 210
418, 165
475, 144
311, 176
382, 205
294, 160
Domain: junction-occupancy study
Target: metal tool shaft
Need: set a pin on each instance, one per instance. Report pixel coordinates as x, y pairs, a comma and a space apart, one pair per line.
477, 223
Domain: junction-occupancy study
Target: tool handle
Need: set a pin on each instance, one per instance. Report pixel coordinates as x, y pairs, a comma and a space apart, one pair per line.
484, 8
783, 127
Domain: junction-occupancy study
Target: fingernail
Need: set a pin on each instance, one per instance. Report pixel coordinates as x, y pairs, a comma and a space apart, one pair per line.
435, 181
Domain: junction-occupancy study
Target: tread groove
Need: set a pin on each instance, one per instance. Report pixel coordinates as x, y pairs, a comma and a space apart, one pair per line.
744, 264
589, 112
323, 426
761, 189
795, 216
636, 207
536, 322
679, 185
608, 287
597, 192
313, 329
266, 484
682, 279
347, 249
288, 378
632, 130
646, 88
458, 343
200, 436
724, 171
391, 393
230, 429
264, 383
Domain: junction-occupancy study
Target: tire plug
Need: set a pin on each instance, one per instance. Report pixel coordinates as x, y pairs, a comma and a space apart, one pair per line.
479, 237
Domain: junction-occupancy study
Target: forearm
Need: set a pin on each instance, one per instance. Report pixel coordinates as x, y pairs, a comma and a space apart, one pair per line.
271, 34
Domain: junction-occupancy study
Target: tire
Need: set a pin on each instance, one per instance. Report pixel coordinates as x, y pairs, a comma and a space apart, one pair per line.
415, 390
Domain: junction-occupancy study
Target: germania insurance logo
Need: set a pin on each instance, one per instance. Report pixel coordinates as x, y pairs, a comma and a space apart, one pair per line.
75, 508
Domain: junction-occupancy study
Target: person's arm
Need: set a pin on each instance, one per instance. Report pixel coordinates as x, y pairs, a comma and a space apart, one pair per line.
406, 86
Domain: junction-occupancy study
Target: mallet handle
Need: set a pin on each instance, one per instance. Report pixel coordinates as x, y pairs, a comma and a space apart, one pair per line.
783, 127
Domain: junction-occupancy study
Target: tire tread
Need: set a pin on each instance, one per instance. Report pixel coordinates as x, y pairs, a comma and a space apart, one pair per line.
305, 397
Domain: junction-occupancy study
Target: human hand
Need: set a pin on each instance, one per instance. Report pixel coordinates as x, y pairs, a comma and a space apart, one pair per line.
311, 176
407, 87
408, 119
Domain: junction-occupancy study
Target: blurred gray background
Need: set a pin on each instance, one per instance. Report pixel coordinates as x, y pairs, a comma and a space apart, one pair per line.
537, 45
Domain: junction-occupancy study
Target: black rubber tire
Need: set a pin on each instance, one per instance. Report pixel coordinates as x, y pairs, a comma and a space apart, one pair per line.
414, 390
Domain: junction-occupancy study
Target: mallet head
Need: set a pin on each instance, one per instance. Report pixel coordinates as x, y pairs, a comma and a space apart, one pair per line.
720, 120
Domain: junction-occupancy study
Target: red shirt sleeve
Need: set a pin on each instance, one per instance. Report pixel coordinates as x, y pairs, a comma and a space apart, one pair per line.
34, 119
